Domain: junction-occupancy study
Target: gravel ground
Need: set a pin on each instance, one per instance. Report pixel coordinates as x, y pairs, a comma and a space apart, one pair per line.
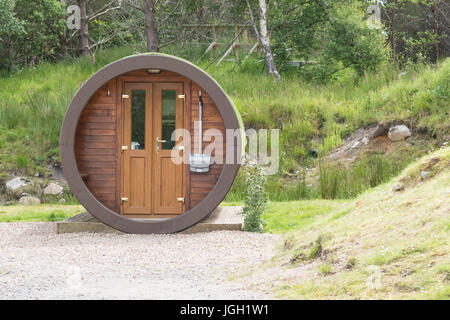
37, 263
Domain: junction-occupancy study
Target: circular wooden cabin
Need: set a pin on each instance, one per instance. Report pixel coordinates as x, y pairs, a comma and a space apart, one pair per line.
116, 145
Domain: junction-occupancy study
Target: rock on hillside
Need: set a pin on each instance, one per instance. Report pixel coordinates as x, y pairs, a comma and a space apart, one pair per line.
16, 183
53, 189
399, 133
382, 138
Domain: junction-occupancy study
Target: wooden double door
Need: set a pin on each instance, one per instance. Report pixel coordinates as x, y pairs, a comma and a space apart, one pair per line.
152, 183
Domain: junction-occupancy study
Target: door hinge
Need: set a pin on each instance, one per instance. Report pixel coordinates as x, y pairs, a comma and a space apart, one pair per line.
182, 96
123, 148
123, 199
180, 200
125, 96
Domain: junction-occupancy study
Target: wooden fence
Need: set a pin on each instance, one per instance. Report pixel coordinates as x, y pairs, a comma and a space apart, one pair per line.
241, 40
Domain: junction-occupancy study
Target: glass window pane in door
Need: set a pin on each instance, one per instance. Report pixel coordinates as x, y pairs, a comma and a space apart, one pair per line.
137, 119
168, 118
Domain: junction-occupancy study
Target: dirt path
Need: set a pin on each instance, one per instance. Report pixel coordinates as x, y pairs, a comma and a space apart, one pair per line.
37, 263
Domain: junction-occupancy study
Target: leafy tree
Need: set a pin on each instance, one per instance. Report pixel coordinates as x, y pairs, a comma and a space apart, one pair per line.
11, 31
348, 42
417, 30
294, 26
86, 18
30, 31
44, 23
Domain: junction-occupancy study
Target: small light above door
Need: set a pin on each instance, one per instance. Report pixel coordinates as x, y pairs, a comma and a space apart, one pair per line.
153, 71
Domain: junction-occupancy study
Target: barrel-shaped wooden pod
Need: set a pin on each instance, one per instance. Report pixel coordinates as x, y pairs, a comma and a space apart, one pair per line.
118, 150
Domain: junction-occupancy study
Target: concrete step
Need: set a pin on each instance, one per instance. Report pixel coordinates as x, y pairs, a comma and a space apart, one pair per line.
222, 218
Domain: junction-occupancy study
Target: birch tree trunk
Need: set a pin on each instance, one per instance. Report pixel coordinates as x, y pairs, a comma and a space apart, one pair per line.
84, 32
150, 27
264, 37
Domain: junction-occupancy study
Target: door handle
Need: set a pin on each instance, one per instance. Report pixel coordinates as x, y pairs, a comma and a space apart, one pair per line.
158, 141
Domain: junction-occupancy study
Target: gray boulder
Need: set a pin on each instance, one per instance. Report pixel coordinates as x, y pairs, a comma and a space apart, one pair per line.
16, 183
29, 201
365, 141
424, 174
53, 189
398, 187
398, 133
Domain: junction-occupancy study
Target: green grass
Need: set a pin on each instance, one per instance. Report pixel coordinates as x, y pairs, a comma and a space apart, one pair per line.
381, 245
19, 213
325, 269
310, 116
319, 116
50, 211
33, 104
281, 217
330, 111
337, 181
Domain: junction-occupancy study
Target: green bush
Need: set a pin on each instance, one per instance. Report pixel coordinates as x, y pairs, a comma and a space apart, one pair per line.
256, 198
31, 32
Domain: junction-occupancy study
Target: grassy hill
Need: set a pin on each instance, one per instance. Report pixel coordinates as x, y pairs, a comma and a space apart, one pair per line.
392, 242
313, 118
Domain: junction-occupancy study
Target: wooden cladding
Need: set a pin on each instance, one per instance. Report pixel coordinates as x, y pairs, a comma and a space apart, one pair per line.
97, 141
202, 183
96, 144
